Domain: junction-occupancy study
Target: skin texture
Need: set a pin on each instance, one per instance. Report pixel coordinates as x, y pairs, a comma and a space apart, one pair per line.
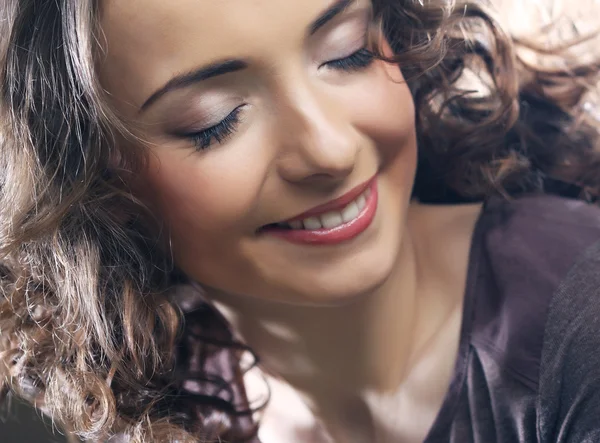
307, 136
364, 331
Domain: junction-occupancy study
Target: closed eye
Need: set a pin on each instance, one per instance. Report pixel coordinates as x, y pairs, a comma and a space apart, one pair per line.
356, 61
218, 133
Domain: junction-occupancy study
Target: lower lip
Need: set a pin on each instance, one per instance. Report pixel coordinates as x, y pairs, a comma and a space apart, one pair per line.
339, 234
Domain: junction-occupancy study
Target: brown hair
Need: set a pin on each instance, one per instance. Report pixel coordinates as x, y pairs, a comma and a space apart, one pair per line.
90, 331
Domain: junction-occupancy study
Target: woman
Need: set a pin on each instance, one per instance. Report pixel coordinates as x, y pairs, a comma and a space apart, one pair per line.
188, 183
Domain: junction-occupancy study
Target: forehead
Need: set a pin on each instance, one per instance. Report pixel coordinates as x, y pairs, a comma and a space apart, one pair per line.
159, 38
214, 19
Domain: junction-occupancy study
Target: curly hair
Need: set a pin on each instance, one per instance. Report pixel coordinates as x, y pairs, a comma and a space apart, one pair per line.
90, 329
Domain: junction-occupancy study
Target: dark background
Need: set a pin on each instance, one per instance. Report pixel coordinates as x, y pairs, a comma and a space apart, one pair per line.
20, 424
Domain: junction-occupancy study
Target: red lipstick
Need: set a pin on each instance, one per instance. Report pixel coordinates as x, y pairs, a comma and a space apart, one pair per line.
334, 205
341, 233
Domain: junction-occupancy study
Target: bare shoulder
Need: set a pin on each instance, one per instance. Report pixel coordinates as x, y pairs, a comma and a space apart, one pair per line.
286, 416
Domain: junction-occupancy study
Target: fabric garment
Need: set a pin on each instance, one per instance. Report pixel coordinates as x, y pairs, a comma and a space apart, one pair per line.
528, 366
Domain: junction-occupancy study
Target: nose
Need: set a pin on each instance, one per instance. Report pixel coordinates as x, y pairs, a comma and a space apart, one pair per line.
318, 142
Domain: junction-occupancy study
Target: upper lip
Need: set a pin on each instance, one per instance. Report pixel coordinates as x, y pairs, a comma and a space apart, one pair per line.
335, 204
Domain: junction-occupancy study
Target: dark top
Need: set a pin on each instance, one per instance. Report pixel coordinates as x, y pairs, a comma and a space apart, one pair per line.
528, 367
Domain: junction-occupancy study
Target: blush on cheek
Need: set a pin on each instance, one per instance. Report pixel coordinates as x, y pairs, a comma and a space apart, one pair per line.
200, 192
387, 110
387, 114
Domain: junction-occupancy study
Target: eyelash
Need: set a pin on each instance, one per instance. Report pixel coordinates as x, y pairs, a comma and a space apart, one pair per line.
361, 59
218, 133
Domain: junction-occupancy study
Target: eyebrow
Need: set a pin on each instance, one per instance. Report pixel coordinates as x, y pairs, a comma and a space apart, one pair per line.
229, 66
198, 75
330, 13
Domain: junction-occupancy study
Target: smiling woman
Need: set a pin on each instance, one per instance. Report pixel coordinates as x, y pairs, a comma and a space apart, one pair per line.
350, 200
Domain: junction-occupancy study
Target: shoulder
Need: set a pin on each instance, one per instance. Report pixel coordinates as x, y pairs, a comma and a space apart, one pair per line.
543, 256
523, 251
560, 228
532, 242
285, 417
528, 245
569, 396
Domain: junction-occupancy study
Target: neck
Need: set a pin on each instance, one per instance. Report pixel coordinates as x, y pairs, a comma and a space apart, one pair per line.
380, 344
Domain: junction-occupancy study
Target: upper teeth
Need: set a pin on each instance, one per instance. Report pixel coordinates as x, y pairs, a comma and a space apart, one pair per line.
333, 219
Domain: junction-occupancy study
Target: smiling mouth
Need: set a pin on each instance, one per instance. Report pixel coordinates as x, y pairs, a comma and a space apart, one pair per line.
339, 220
327, 220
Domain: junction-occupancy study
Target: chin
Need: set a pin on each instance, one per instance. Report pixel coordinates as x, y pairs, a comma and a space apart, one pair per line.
354, 276
339, 292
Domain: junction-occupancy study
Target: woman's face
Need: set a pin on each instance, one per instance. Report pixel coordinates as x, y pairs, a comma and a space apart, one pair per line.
255, 112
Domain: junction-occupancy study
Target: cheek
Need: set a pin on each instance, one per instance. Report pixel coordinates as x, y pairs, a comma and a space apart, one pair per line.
207, 204
202, 193
386, 113
387, 109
